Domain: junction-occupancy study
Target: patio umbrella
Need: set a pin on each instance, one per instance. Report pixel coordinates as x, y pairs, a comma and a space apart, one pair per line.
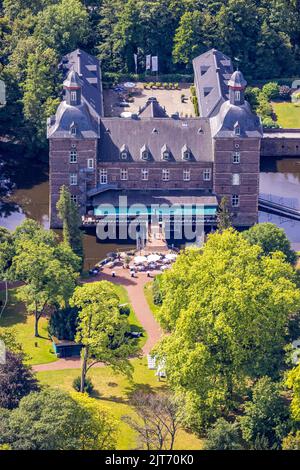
140, 259
153, 258
171, 256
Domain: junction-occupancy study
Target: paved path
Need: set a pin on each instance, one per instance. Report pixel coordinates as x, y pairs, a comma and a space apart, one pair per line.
135, 289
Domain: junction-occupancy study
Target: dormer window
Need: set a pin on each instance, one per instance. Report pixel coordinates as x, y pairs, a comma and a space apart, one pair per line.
237, 95
237, 129
185, 153
144, 153
123, 152
73, 129
165, 152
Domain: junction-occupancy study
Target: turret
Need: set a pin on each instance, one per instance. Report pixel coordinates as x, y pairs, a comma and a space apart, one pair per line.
72, 86
237, 85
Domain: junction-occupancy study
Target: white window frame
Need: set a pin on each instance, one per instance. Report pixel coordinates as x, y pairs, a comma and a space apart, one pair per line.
123, 155
73, 156
186, 155
235, 200
144, 174
237, 94
103, 179
166, 155
236, 179
90, 163
73, 96
73, 179
165, 174
73, 130
145, 155
207, 174
237, 130
123, 174
186, 174
74, 198
236, 158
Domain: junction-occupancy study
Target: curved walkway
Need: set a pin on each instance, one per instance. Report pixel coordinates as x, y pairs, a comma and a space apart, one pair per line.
135, 289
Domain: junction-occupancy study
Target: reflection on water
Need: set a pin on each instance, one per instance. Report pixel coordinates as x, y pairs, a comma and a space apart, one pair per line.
34, 203
280, 182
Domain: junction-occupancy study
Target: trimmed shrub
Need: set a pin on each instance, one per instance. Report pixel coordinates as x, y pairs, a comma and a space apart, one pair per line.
156, 291
193, 90
196, 107
271, 91
88, 385
252, 96
268, 123
264, 108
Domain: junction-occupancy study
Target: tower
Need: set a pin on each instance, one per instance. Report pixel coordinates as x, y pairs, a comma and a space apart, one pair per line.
72, 87
237, 85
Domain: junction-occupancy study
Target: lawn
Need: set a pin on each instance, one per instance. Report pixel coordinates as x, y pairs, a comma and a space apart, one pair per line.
112, 391
38, 350
288, 115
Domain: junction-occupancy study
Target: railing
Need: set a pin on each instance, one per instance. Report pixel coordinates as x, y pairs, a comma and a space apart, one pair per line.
278, 209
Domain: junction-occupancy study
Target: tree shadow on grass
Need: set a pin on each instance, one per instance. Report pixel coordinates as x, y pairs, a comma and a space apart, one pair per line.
14, 313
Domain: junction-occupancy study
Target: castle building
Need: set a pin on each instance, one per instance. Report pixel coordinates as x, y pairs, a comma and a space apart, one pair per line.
154, 158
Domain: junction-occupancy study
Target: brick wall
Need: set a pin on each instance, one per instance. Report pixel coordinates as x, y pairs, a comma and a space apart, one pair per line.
61, 168
248, 169
155, 175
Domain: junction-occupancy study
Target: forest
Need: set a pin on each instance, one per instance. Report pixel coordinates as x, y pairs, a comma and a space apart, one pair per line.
263, 36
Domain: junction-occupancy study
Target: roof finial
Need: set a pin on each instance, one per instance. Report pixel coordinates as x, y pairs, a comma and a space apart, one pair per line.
237, 60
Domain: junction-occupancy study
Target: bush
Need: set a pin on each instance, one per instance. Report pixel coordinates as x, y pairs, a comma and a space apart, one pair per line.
264, 108
165, 85
271, 91
88, 385
63, 323
156, 292
268, 123
196, 107
252, 96
124, 310
193, 90
285, 92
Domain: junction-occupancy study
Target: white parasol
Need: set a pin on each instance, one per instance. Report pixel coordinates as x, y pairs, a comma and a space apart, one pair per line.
140, 259
153, 258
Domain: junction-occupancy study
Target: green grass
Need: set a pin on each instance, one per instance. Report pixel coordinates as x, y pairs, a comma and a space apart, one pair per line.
38, 350
133, 321
112, 391
288, 115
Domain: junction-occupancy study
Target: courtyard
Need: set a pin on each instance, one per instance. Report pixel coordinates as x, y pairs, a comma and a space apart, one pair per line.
174, 100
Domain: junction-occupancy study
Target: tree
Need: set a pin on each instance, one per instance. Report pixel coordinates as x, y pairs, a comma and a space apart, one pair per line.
266, 416
101, 329
6, 251
47, 270
190, 37
270, 238
16, 380
227, 308
68, 213
293, 382
54, 420
223, 216
291, 441
63, 322
158, 422
224, 436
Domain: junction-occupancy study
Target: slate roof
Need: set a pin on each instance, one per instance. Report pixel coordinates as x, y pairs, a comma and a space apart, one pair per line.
59, 126
231, 116
152, 109
89, 71
237, 80
212, 70
154, 134
73, 80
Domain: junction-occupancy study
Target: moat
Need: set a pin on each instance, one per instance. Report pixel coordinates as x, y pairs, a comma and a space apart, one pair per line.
279, 182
